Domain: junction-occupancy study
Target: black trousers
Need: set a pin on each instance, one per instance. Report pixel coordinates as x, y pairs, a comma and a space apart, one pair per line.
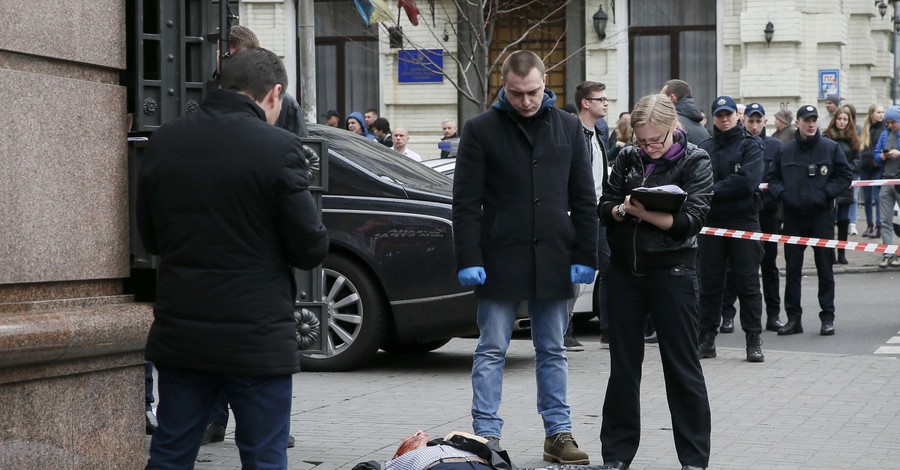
671, 298
820, 225
771, 284
743, 256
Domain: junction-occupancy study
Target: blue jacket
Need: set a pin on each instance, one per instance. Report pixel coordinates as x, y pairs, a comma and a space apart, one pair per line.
362, 122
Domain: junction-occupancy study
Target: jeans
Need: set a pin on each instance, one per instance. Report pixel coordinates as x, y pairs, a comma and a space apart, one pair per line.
870, 196
549, 319
261, 407
889, 196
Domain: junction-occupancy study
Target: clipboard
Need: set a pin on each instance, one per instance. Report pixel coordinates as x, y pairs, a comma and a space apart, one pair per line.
667, 198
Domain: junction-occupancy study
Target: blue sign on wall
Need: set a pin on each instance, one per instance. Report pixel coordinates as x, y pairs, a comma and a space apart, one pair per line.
420, 66
829, 83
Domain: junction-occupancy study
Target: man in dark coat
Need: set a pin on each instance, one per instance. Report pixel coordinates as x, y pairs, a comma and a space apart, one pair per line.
806, 177
522, 165
689, 115
223, 200
737, 164
755, 124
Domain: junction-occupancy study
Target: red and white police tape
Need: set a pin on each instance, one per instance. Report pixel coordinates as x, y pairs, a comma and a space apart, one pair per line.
805, 241
858, 183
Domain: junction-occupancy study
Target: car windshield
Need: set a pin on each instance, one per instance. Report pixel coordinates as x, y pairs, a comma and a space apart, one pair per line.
381, 161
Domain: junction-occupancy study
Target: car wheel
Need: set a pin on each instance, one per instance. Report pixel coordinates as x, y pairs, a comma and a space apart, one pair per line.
355, 319
413, 347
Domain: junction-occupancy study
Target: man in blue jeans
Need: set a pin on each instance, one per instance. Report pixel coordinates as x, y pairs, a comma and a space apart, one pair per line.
521, 166
223, 200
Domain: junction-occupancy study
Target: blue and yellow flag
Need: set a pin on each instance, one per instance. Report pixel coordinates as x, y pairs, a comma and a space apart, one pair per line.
373, 11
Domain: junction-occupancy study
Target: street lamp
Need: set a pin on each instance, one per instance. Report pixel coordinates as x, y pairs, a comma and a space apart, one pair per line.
600, 20
896, 21
882, 7
769, 32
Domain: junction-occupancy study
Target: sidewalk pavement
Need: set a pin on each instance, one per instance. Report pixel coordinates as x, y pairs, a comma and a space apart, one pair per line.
794, 411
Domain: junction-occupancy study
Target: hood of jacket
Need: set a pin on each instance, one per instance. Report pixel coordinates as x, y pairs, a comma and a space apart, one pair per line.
688, 108
362, 121
503, 104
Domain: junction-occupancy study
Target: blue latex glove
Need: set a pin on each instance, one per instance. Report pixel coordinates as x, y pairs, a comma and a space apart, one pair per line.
473, 276
582, 274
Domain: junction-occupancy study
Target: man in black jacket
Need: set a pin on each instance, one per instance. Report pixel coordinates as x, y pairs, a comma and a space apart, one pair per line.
806, 177
689, 115
755, 124
522, 166
223, 200
737, 164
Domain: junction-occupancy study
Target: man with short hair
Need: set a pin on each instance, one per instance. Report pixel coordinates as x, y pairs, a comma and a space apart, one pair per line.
590, 97
806, 177
448, 127
755, 124
223, 200
784, 126
689, 114
332, 118
524, 232
832, 103
370, 116
401, 139
737, 164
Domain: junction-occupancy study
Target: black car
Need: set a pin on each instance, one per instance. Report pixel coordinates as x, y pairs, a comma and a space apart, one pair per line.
390, 277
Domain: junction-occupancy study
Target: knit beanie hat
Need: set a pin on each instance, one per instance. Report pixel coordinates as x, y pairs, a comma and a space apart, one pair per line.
892, 114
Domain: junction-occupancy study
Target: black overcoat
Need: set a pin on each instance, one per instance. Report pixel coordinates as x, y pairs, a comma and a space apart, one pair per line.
223, 200
512, 193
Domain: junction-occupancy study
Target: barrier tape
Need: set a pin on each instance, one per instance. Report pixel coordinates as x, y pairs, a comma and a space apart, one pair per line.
804, 241
857, 183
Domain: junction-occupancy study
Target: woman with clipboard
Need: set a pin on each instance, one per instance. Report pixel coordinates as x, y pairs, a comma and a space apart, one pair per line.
652, 270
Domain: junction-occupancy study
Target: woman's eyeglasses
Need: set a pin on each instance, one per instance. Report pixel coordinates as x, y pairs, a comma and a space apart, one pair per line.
654, 145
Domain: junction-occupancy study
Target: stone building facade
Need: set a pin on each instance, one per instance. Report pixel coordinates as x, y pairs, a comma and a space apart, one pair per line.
732, 58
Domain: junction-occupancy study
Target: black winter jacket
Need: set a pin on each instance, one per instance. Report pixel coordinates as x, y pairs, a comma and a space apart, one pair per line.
737, 165
689, 117
223, 200
515, 182
846, 197
639, 246
809, 175
867, 156
773, 152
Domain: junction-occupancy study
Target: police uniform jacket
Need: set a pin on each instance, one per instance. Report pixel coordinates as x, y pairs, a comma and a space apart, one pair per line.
639, 246
809, 175
772, 151
737, 166
516, 182
223, 200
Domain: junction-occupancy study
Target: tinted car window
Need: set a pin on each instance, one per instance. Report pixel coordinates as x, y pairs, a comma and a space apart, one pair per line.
381, 161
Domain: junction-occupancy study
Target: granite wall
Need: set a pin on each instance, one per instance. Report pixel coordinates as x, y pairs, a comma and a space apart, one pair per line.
71, 342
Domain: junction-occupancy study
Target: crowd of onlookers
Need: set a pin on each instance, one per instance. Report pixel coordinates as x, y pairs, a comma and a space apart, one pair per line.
372, 126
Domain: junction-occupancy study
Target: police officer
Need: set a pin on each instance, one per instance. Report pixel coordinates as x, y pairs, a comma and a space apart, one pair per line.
755, 124
806, 177
737, 164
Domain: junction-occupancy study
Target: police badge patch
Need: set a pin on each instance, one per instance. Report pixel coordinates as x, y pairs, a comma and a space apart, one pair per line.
737, 167
823, 170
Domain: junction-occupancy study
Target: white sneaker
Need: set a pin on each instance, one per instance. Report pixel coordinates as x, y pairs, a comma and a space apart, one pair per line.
853, 229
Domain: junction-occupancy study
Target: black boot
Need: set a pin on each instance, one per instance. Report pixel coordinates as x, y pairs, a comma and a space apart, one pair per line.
727, 325
754, 348
842, 257
773, 323
877, 232
870, 231
707, 348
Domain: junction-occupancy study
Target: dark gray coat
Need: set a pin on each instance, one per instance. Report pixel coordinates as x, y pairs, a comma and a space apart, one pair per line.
511, 195
223, 200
